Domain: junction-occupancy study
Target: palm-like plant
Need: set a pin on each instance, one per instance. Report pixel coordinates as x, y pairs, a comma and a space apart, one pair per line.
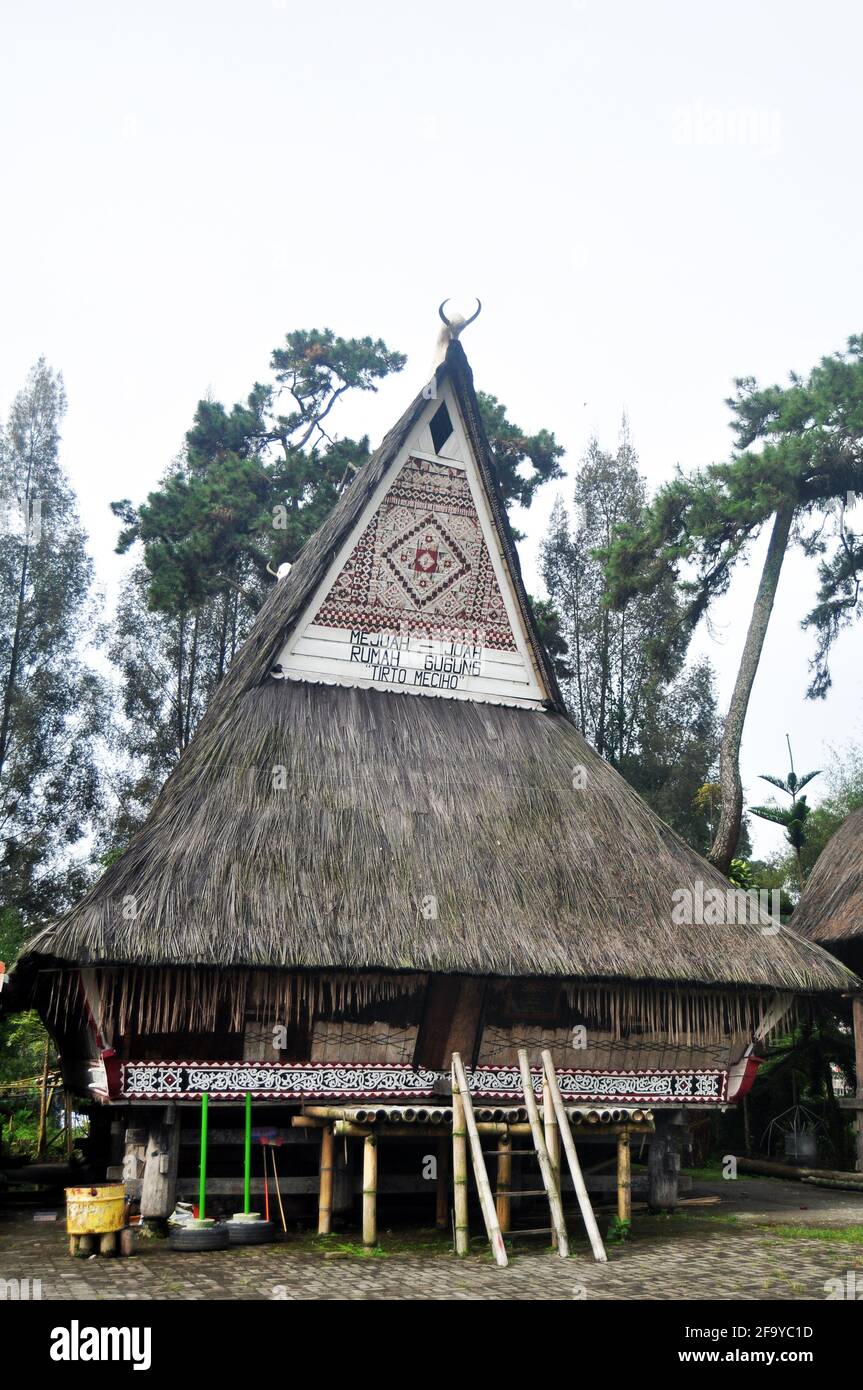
792, 818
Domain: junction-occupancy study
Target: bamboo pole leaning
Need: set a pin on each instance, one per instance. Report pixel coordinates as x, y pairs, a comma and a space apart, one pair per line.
548, 1175
486, 1200
551, 1133
459, 1170
575, 1172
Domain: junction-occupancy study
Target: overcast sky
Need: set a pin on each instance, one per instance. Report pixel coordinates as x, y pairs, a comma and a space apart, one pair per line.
650, 199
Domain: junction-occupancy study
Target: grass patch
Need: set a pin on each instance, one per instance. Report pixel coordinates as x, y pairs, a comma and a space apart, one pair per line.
714, 1172
422, 1242
846, 1235
349, 1250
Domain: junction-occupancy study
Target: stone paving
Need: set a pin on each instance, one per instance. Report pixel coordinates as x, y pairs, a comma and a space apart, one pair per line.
729, 1251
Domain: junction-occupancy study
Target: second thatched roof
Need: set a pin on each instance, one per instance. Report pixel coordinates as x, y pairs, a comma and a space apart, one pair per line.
830, 910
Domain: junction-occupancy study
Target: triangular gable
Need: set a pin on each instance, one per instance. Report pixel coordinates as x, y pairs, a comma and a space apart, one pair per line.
419, 598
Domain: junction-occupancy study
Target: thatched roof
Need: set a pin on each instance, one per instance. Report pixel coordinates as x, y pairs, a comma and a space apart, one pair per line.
413, 833
831, 906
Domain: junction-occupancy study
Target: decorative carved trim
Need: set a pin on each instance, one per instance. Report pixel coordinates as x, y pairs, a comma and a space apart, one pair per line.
369, 1081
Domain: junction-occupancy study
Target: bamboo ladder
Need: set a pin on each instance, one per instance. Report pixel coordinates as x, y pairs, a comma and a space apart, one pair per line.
554, 1100
545, 1136
547, 1167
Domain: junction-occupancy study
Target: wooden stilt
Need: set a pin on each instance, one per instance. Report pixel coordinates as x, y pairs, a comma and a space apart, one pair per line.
344, 1167
549, 1178
108, 1243
134, 1154
442, 1185
857, 1017
663, 1164
370, 1190
325, 1200
503, 1201
159, 1187
459, 1170
128, 1241
572, 1160
486, 1200
624, 1180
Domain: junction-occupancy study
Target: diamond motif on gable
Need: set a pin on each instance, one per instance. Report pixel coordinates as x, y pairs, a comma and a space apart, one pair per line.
426, 560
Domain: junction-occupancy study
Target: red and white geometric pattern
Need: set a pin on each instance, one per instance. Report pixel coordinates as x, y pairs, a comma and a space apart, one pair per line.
422, 566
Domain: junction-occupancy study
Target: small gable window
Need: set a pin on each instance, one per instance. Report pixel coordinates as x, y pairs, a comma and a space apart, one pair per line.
441, 427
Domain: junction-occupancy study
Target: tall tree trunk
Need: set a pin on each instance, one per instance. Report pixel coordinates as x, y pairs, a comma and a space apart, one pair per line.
15, 656
582, 717
621, 687
604, 664
181, 659
190, 685
731, 787
223, 639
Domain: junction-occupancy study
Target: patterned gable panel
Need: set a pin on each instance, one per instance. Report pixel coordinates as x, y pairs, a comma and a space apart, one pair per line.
422, 566
420, 598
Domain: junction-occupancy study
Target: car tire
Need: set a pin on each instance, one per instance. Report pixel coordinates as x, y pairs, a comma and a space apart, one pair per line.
198, 1238
250, 1232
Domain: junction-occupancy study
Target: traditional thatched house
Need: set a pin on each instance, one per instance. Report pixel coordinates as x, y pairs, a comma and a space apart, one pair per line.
830, 912
387, 842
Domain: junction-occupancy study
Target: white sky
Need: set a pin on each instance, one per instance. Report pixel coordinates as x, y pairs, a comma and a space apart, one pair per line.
650, 198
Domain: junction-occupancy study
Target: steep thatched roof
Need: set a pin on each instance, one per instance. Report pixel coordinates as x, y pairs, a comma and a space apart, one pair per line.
831, 906
392, 800
324, 827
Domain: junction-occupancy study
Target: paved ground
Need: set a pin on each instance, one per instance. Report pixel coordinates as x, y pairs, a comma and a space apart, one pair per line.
744, 1247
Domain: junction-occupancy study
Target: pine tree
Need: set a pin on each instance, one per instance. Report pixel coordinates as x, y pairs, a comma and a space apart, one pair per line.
808, 466
625, 685
53, 703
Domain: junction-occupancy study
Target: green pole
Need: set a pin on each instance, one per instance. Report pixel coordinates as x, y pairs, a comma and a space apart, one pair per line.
247, 1159
202, 1190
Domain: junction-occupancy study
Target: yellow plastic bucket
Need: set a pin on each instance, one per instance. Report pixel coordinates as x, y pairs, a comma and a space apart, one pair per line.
94, 1211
